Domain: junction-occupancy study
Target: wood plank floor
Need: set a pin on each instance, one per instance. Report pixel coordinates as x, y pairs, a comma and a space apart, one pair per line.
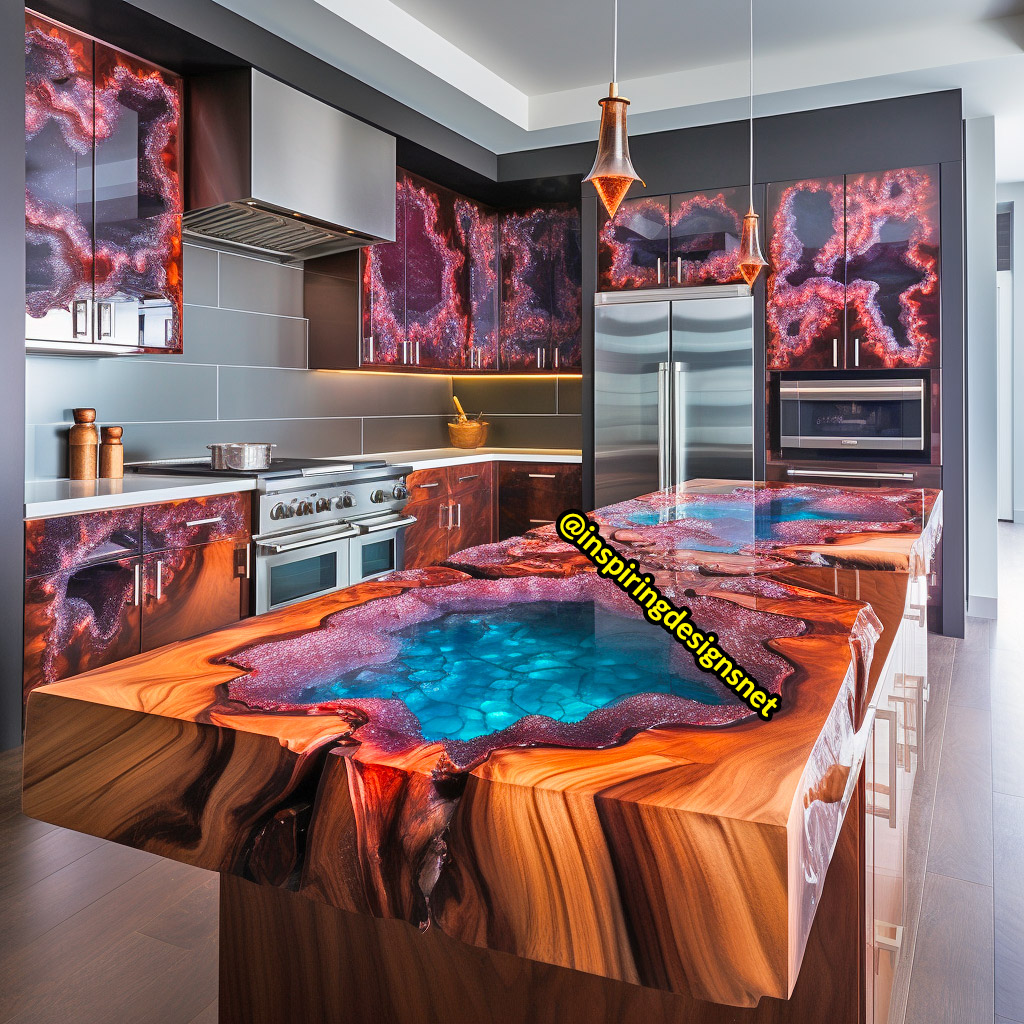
91, 932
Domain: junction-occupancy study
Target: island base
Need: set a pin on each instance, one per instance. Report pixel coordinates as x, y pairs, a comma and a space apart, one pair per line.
285, 958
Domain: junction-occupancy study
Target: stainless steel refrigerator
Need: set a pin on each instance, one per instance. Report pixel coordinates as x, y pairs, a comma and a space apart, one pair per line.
673, 388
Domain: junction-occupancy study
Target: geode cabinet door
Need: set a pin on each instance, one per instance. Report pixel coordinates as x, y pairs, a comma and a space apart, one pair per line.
704, 237
526, 291
383, 294
892, 269
806, 291
633, 247
103, 198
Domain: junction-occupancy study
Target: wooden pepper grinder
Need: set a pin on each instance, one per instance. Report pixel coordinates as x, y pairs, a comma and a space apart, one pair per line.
111, 454
83, 441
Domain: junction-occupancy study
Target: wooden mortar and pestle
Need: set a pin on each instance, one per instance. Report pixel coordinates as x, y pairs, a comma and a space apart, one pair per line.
464, 432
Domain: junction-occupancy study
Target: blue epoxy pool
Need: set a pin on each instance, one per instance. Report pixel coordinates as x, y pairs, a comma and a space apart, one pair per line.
469, 674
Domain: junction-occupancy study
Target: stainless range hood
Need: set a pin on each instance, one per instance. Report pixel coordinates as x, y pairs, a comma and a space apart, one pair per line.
275, 172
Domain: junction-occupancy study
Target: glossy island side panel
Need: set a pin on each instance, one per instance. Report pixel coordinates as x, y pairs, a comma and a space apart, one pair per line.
404, 812
892, 268
806, 292
705, 236
59, 141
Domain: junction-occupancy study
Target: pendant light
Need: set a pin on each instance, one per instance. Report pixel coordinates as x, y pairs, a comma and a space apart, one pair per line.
612, 173
751, 260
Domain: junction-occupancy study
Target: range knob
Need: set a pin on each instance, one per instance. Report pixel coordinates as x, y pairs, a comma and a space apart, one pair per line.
345, 501
378, 496
400, 493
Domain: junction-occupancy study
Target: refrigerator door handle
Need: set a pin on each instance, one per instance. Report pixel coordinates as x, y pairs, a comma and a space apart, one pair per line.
664, 427
678, 393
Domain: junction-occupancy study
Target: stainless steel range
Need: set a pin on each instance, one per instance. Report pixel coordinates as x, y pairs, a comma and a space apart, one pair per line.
318, 526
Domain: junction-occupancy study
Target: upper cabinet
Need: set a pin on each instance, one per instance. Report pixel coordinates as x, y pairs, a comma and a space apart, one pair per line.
103, 195
464, 287
854, 265
691, 238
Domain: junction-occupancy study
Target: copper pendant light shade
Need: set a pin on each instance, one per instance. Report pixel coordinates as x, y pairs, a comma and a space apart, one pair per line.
613, 173
751, 260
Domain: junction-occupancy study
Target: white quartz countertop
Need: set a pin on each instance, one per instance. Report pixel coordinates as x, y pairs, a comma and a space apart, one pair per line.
432, 457
66, 497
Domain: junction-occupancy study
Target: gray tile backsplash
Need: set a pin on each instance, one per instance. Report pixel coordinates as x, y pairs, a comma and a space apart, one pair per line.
243, 377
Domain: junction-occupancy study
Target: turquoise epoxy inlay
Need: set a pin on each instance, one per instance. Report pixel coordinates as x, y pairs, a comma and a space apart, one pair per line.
469, 674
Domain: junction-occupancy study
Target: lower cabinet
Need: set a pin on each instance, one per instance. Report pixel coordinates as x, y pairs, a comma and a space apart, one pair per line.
454, 509
894, 878
532, 494
193, 590
93, 609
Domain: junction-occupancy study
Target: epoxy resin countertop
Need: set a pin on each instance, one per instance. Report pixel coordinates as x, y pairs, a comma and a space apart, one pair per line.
523, 763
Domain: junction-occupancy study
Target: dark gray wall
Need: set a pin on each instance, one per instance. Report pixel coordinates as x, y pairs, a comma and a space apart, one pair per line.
12, 366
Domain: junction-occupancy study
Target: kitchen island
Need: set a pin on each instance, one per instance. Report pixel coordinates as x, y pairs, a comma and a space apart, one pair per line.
444, 797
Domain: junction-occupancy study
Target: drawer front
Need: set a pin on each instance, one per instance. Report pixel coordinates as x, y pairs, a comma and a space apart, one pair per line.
180, 524
66, 542
535, 494
426, 541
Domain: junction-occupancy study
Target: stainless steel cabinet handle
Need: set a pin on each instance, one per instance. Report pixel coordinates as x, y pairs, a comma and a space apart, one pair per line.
472, 476
79, 318
104, 320
679, 270
556, 358
540, 520
458, 520
136, 587
417, 353
159, 578
248, 552
853, 474
322, 539
835, 351
659, 270
678, 423
436, 483
370, 357
203, 522
451, 514
856, 351
542, 476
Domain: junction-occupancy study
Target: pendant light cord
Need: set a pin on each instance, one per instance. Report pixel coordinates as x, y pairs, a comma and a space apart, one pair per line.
615, 41
750, 65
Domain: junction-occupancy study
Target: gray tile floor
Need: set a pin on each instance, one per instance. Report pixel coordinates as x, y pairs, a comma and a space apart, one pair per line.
969, 960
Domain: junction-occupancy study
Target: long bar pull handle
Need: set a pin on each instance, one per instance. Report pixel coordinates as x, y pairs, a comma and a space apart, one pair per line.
854, 474
136, 587
542, 476
835, 351
663, 427
417, 353
458, 512
856, 351
556, 357
371, 349
203, 522
659, 270
678, 423
545, 521
248, 555
79, 318
436, 483
679, 270
159, 578
451, 514
104, 320
890, 717
472, 476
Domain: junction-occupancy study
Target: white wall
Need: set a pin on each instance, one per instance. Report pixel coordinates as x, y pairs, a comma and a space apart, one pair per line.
982, 366
1014, 193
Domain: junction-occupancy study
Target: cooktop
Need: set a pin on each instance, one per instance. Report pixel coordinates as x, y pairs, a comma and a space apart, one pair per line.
278, 467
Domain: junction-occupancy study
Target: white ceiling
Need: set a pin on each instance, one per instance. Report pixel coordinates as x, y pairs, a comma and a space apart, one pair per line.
514, 74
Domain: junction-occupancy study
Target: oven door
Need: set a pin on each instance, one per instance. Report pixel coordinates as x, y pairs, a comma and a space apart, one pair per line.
297, 566
870, 415
380, 546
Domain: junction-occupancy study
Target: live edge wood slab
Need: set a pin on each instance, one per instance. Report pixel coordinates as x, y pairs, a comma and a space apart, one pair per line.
674, 848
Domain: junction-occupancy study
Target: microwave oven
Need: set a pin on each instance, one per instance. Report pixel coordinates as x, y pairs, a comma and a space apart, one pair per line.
858, 416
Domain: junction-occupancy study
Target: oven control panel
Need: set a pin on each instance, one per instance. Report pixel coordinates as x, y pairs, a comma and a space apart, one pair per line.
328, 502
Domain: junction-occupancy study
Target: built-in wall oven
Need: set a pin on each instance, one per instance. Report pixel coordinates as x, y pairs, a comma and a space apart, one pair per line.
860, 416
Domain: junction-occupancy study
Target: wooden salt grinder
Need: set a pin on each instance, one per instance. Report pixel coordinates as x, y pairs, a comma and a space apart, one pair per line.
112, 454
83, 440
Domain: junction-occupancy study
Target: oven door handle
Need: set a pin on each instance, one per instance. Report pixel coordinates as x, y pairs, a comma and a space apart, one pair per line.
308, 541
391, 524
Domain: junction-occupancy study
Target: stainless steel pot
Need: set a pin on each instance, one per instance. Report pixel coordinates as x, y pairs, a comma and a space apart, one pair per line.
240, 455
